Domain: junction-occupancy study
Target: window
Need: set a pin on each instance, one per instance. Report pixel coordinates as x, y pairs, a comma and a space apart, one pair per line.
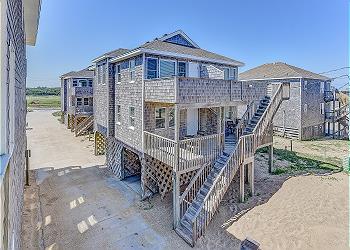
305, 85
229, 73
90, 82
132, 117
152, 68
119, 75
99, 74
305, 108
86, 101
160, 117
181, 69
83, 83
166, 68
118, 118
322, 108
171, 118
75, 83
226, 73
124, 65
132, 70
79, 101
321, 87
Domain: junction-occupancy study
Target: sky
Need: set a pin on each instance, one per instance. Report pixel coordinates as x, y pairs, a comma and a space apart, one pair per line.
311, 34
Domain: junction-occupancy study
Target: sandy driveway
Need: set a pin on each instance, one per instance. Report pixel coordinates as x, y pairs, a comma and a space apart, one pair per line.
75, 203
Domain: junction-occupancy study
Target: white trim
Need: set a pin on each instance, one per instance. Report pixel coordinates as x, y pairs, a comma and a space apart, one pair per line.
268, 79
126, 55
179, 32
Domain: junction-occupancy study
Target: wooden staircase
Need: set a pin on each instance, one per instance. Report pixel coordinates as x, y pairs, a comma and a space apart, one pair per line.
203, 195
84, 126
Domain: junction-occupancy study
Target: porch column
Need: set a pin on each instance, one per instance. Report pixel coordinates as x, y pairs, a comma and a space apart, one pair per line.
176, 175
241, 181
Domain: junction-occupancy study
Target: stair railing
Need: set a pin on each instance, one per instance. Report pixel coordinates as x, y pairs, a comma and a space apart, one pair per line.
244, 149
247, 116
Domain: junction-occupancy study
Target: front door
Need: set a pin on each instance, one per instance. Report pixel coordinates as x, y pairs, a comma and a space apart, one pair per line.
193, 70
192, 121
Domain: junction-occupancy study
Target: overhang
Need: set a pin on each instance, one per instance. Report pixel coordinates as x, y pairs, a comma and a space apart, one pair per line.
31, 19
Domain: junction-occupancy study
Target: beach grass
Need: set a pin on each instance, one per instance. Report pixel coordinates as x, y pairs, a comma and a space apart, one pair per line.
44, 101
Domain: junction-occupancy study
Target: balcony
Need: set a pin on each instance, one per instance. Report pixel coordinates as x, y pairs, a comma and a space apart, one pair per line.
187, 90
81, 110
81, 91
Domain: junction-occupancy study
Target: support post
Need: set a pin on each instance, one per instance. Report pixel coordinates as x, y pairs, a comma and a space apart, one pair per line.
27, 155
270, 157
251, 177
241, 182
176, 175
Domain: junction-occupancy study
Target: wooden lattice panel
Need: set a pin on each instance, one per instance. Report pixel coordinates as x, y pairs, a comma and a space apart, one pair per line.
70, 121
100, 143
157, 171
131, 163
114, 156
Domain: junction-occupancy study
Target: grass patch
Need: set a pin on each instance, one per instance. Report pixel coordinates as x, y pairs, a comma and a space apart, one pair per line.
48, 101
57, 113
301, 162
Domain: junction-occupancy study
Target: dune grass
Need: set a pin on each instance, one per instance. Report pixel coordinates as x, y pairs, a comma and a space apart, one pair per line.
45, 101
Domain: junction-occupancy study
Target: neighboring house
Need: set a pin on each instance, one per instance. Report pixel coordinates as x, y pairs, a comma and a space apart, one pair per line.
102, 96
303, 115
19, 25
77, 100
172, 116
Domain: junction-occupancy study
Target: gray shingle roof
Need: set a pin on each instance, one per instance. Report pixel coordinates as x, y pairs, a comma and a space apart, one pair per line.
197, 52
278, 70
113, 53
84, 73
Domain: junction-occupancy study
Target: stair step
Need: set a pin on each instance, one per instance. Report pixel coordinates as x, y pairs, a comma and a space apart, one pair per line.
184, 234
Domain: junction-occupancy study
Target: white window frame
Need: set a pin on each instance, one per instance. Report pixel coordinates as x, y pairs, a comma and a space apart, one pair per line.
118, 114
132, 71
322, 108
132, 118
81, 101
157, 118
118, 75
167, 60
305, 84
86, 99
146, 67
186, 68
322, 87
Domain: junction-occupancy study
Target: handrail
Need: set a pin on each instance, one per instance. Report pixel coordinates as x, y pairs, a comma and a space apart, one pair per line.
245, 118
245, 148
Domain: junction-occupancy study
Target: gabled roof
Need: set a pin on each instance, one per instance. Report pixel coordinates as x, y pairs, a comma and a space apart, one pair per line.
84, 73
182, 47
278, 70
111, 54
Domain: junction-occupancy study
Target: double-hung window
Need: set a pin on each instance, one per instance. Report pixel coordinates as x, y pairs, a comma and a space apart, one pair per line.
119, 115
232, 73
75, 83
181, 69
79, 101
132, 70
152, 68
132, 117
119, 74
160, 117
86, 101
90, 82
166, 68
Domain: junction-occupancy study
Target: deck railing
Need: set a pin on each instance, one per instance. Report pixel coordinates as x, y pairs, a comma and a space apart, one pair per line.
247, 116
186, 155
244, 149
4, 200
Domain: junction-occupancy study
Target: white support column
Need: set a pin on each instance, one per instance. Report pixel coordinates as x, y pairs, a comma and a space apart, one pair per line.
241, 182
176, 176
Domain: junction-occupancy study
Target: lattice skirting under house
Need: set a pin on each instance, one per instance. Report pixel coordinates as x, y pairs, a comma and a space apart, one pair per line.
100, 143
70, 121
158, 176
114, 157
